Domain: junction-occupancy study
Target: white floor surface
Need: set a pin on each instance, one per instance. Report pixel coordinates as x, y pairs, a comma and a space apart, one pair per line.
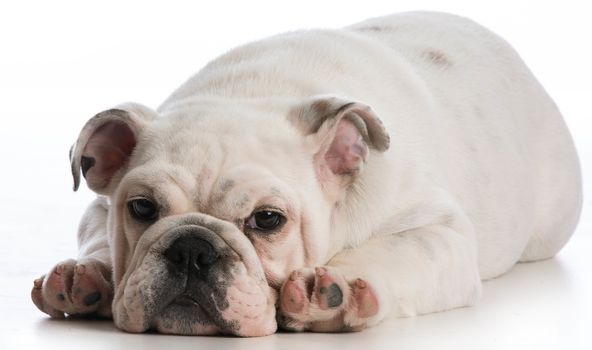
543, 305
59, 68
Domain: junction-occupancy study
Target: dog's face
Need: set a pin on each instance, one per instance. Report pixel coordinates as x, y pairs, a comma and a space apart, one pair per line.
212, 206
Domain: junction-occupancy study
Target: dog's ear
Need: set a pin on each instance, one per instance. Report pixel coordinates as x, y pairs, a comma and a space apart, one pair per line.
341, 134
105, 144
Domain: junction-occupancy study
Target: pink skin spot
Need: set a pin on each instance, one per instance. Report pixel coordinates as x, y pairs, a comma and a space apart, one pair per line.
347, 149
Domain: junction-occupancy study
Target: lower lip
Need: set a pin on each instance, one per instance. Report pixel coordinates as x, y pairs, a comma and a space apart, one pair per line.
185, 301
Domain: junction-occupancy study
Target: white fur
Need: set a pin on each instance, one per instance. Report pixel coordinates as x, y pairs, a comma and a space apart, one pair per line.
479, 151
481, 171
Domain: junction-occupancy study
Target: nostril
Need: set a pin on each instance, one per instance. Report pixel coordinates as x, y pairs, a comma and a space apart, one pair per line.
206, 256
190, 252
175, 255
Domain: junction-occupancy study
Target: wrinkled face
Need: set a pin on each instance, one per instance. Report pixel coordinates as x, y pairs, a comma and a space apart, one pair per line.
208, 224
212, 208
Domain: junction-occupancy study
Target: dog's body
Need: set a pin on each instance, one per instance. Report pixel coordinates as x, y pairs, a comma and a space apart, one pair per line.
480, 173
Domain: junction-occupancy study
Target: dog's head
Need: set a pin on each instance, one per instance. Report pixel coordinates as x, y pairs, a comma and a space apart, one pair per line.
214, 204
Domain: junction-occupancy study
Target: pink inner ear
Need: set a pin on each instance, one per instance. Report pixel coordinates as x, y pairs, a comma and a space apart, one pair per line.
347, 150
110, 146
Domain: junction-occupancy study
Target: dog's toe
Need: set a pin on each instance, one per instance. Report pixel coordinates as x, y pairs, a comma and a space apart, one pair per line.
364, 298
293, 297
39, 300
329, 289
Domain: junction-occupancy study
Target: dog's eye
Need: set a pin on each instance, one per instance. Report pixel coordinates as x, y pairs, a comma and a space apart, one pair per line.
142, 209
265, 220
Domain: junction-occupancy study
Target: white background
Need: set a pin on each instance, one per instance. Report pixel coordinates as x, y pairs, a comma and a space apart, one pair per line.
62, 62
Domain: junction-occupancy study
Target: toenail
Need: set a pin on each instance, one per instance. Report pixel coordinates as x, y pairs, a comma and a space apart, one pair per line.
92, 298
61, 297
320, 271
360, 283
294, 275
80, 269
37, 283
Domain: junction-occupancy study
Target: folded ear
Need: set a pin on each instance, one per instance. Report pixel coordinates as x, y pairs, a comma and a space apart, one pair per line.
105, 144
341, 133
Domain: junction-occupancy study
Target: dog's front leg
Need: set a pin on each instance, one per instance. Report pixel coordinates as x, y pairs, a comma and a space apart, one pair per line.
417, 271
81, 286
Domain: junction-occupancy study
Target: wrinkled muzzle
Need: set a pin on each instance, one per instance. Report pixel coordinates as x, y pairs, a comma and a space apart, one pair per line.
194, 275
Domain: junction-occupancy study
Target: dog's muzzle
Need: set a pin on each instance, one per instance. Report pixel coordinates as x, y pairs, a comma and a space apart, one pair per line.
195, 274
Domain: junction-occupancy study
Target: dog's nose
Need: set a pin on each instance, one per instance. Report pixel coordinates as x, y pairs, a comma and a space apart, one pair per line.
190, 254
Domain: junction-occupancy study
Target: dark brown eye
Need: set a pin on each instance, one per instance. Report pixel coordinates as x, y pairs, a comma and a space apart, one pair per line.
265, 220
142, 209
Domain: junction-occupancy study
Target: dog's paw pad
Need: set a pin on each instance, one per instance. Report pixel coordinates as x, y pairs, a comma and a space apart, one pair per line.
324, 300
87, 283
329, 295
92, 298
75, 289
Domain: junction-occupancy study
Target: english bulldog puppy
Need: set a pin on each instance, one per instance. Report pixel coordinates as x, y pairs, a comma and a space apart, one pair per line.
322, 181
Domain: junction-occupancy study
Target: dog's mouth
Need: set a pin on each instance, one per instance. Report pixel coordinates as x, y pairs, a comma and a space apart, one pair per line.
190, 313
190, 308
239, 308
185, 300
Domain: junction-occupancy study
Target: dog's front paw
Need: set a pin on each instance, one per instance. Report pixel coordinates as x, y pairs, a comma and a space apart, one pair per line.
323, 300
75, 288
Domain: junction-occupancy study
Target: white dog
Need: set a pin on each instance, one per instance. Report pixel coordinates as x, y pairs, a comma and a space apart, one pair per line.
321, 180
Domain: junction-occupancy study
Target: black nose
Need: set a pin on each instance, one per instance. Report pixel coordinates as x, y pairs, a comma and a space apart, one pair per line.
191, 254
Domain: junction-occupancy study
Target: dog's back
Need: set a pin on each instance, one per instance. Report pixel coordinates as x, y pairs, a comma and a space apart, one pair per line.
492, 111
466, 114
